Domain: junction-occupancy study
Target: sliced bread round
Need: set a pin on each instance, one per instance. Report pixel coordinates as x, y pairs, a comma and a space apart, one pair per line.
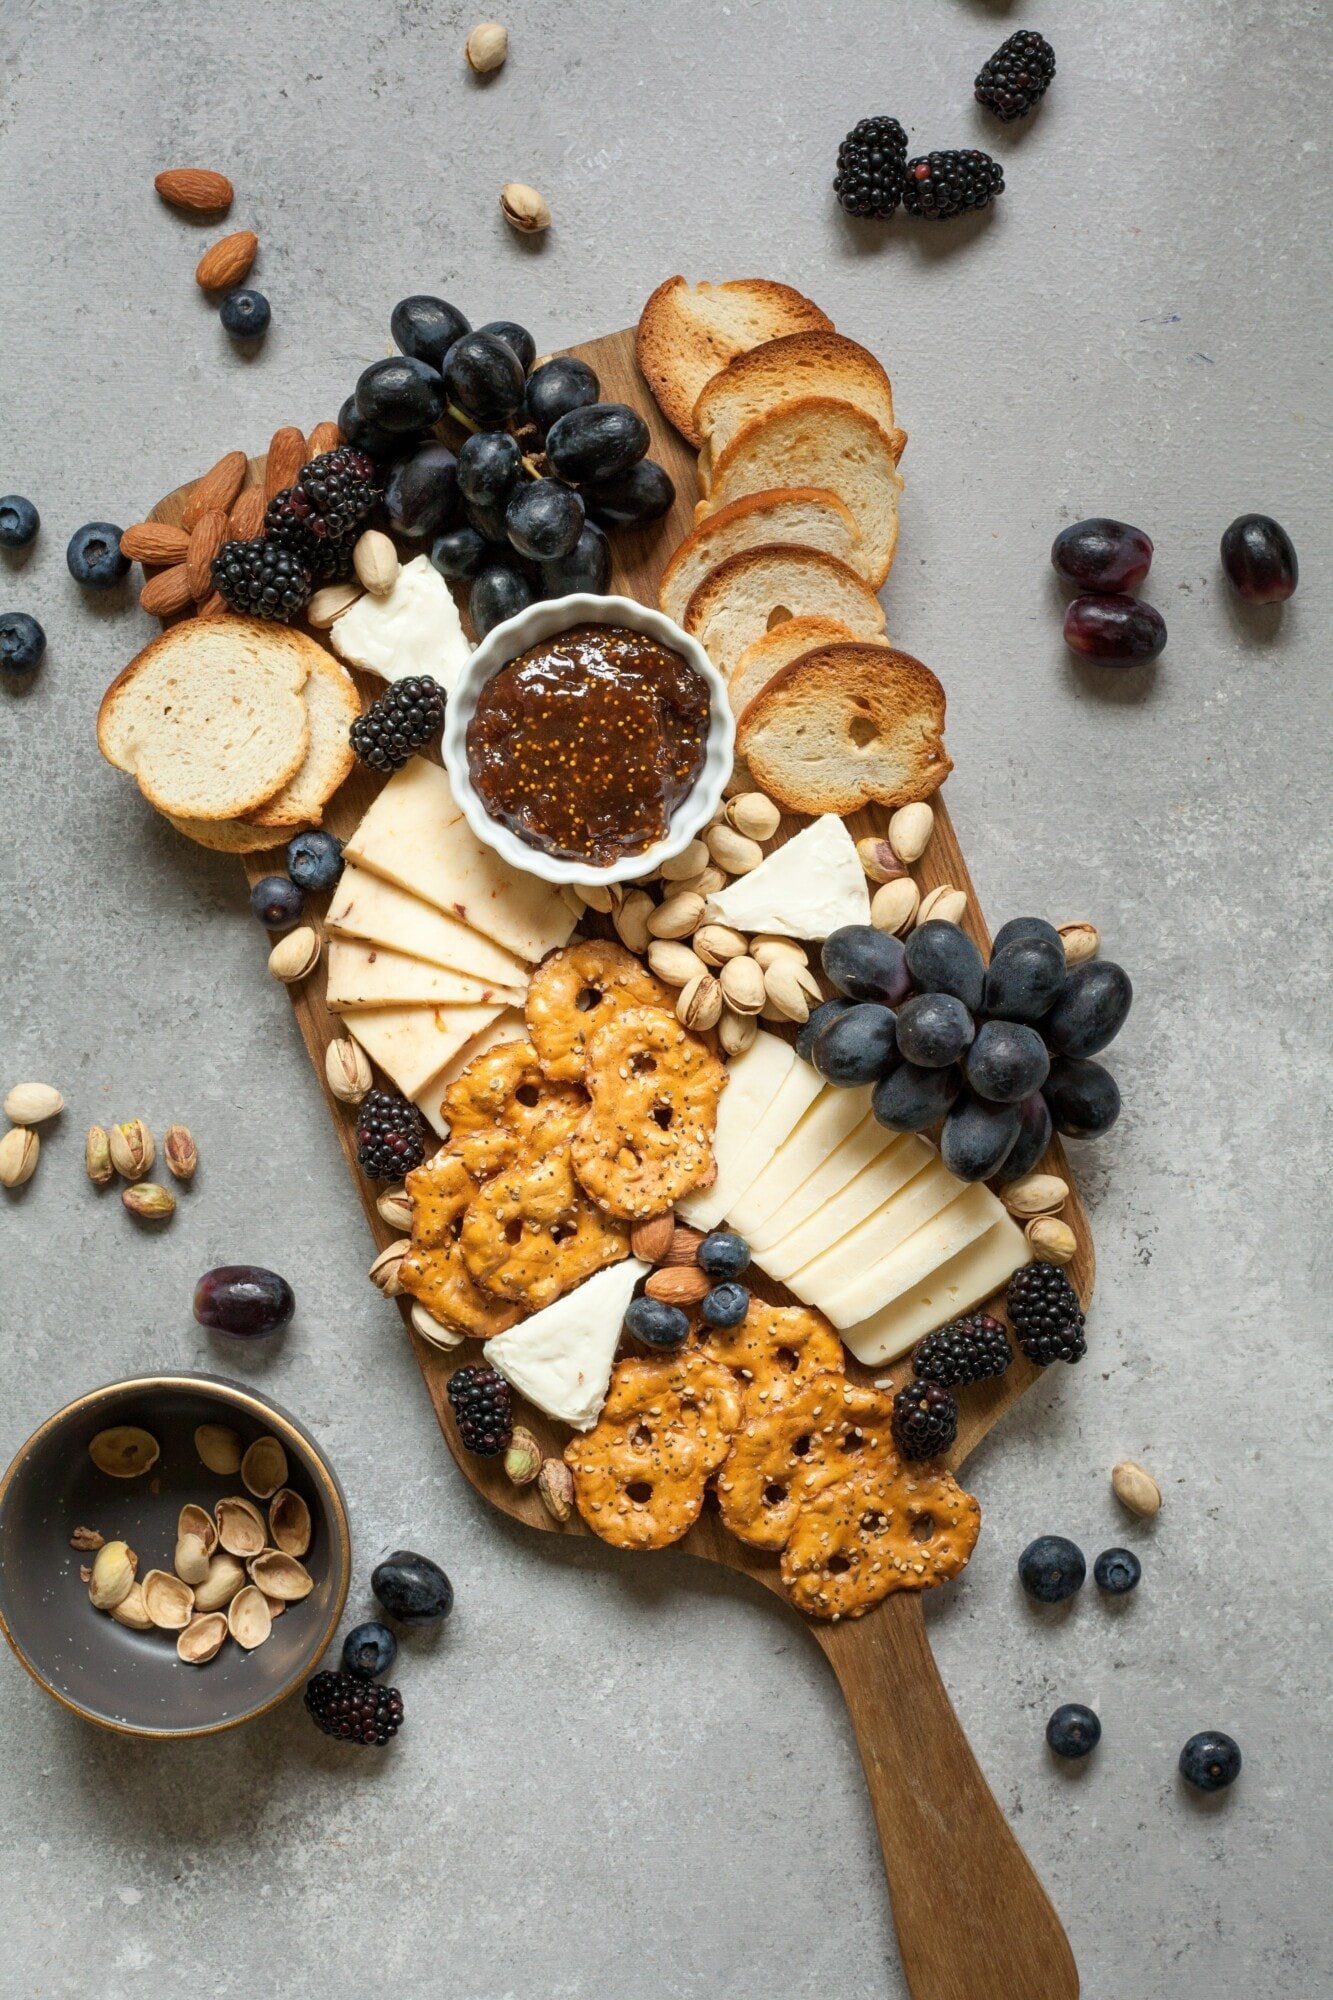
688, 332
799, 364
229, 836
777, 649
751, 592
818, 441
845, 725
800, 515
210, 717
332, 704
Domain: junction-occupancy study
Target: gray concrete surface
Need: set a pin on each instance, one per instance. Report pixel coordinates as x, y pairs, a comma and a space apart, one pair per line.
636, 1778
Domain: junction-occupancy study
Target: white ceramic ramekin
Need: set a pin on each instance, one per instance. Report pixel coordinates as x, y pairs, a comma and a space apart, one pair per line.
543, 621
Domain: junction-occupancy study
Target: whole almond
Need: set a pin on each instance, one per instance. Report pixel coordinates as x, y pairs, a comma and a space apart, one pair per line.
148, 1201
674, 963
894, 905
198, 190
227, 262
327, 605
18, 1156
677, 917
154, 542
742, 982
32, 1103
684, 1245
1136, 1489
679, 1285
245, 523
218, 488
945, 905
296, 955
651, 1240
1051, 1240
910, 830
207, 537
736, 1031
735, 852
168, 592
324, 437
286, 456
215, 606
700, 1003
375, 560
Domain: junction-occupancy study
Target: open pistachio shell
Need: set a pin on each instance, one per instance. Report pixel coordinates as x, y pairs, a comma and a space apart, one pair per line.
124, 1451
249, 1619
281, 1576
218, 1447
191, 1561
224, 1579
264, 1467
240, 1526
289, 1522
113, 1576
132, 1610
276, 1606
168, 1601
202, 1638
194, 1520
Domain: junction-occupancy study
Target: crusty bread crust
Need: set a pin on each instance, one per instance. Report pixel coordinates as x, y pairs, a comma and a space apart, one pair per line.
229, 836
687, 333
754, 519
745, 595
333, 705
778, 648
820, 363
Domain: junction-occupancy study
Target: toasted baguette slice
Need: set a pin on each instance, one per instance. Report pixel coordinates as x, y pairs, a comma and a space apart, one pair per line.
210, 718
750, 593
688, 332
777, 649
230, 836
818, 441
845, 725
332, 704
802, 515
800, 364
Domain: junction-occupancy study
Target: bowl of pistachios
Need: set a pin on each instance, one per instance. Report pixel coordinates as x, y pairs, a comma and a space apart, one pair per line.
174, 1555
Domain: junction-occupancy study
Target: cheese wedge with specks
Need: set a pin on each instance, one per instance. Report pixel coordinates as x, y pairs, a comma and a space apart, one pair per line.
854, 1293
872, 1239
959, 1286
366, 975
874, 1193
413, 1044
560, 1358
508, 1026
896, 1156
825, 1125
776, 1091
366, 906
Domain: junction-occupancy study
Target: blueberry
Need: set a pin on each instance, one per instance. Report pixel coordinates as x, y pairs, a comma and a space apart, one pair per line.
1117, 1571
514, 336
1210, 1761
400, 394
277, 902
656, 1324
426, 327
314, 860
489, 464
19, 521
544, 519
978, 1137
22, 643
1073, 1730
587, 567
858, 1046
94, 556
461, 554
498, 593
722, 1254
369, 1649
943, 959
412, 1588
644, 493
245, 314
866, 964
1052, 1569
820, 1018
556, 388
596, 442
726, 1305
421, 493
1021, 927
909, 1098
934, 1029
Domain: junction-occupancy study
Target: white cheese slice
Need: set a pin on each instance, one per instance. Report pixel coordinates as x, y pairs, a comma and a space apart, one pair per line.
825, 1125
871, 1193
414, 629
869, 1143
366, 906
810, 887
366, 975
561, 1357
412, 1044
965, 1282
871, 1241
509, 1026
855, 1294
751, 1139
415, 836
753, 1080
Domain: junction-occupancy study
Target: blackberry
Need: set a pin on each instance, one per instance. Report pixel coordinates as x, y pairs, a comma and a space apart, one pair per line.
482, 1410
262, 579
408, 714
925, 1420
967, 1350
293, 522
390, 1136
940, 185
1017, 76
869, 180
352, 1709
342, 486
1046, 1314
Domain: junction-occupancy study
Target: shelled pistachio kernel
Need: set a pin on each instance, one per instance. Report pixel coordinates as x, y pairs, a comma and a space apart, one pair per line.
180, 1152
1136, 1489
486, 47
148, 1201
97, 1156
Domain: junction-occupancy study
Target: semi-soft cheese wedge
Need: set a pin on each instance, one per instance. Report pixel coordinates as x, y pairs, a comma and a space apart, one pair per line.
872, 1240
366, 975
965, 1282
508, 1026
874, 1193
412, 1044
366, 906
833, 1115
414, 629
856, 1294
810, 887
746, 1108
561, 1357
896, 1156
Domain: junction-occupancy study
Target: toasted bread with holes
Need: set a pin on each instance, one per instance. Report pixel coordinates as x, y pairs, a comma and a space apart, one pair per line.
687, 333
845, 725
818, 441
800, 364
795, 515
211, 718
332, 704
750, 593
230, 836
777, 649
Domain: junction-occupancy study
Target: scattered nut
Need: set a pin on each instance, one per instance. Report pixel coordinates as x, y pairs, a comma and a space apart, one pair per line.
764, 950
32, 1103
706, 883
224, 264
716, 943
375, 560
688, 862
180, 1152
124, 1451
327, 605
432, 1329
523, 1458
395, 1206
945, 905
133, 1149
1136, 1489
684, 1245
347, 1070
893, 906
1035, 1194
555, 1483
879, 860
1051, 1240
523, 208
148, 1201
1081, 942
651, 1240
910, 829
387, 1267
486, 47
678, 917
736, 1031
296, 955
675, 964
678, 1284
18, 1156
97, 1156
754, 815
218, 1447
631, 921
736, 852
742, 982
112, 1577
700, 1003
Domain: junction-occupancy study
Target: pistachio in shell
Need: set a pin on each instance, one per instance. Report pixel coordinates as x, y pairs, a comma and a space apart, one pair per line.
281, 1576
219, 1447
289, 1522
201, 1640
191, 1559
168, 1600
249, 1619
113, 1576
264, 1467
194, 1520
240, 1526
132, 1610
276, 1606
225, 1577
124, 1451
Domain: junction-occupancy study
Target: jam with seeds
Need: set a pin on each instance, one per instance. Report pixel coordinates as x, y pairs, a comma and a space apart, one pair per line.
585, 745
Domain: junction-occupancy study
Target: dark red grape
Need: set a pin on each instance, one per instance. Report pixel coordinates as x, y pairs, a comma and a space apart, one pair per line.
1091, 1010
1114, 631
976, 1137
943, 959
243, 1299
421, 493
857, 1046
1006, 1062
866, 964
1258, 557
1034, 1136
1083, 1098
1102, 555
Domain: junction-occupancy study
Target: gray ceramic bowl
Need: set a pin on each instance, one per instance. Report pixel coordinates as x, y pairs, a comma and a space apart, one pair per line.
128, 1681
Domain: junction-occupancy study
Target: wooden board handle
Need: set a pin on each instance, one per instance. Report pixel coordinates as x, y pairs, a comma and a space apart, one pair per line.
973, 1921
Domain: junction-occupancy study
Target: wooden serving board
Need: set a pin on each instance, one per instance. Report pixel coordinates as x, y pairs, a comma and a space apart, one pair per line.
973, 1921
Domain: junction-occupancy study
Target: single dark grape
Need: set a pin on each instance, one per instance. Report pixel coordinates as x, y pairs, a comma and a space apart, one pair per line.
1034, 1136
489, 523
421, 493
1083, 1098
587, 567
498, 593
943, 959
1100, 554
977, 1137
460, 554
820, 1017
596, 442
489, 464
644, 493
856, 1047
483, 377
373, 439
515, 337
1091, 1010
1006, 1062
866, 964
1114, 631
1024, 927
544, 519
1259, 559
556, 388
1025, 979
400, 394
909, 1099
934, 1029
412, 1588
244, 1300
426, 327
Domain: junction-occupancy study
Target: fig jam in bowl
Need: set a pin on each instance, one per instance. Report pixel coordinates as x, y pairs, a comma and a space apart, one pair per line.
588, 740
